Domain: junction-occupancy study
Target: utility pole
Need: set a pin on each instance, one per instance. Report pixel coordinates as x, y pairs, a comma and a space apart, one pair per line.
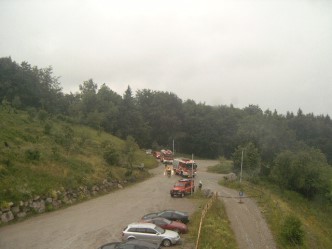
192, 172
173, 148
241, 167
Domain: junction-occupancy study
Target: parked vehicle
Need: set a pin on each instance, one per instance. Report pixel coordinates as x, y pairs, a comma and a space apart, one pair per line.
156, 154
151, 233
168, 224
166, 156
184, 167
131, 244
183, 187
173, 215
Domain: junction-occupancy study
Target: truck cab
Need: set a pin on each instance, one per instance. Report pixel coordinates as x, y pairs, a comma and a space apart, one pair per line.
183, 187
184, 167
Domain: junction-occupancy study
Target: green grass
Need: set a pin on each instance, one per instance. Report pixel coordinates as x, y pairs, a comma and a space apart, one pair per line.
216, 232
223, 167
276, 206
40, 156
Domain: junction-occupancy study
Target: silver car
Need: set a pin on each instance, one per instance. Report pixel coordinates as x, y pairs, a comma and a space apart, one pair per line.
150, 232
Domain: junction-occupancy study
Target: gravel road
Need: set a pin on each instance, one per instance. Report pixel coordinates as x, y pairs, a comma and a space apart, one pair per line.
101, 220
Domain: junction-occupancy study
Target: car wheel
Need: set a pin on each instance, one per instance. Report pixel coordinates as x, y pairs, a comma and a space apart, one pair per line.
167, 243
172, 195
130, 238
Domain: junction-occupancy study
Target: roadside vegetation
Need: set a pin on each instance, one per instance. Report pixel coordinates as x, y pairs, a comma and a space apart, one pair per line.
295, 210
295, 221
223, 167
215, 225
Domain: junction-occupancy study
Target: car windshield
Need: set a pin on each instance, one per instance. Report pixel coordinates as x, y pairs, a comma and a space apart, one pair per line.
190, 166
179, 184
149, 216
163, 220
159, 230
180, 213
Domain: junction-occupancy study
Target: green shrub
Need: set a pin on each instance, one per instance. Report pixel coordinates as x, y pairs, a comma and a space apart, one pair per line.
42, 115
32, 154
223, 167
292, 232
47, 129
111, 156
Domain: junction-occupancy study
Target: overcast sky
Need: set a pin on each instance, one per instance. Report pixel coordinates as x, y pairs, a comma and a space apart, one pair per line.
273, 53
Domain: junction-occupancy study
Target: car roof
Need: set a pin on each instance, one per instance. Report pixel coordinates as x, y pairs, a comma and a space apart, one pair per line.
132, 242
186, 180
143, 225
157, 218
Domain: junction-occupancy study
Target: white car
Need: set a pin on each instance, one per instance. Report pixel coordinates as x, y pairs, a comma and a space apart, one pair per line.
150, 232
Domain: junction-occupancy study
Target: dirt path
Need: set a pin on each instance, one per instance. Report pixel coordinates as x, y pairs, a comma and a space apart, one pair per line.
247, 222
101, 220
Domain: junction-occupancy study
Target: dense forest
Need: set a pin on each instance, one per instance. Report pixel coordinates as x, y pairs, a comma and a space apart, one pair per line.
292, 150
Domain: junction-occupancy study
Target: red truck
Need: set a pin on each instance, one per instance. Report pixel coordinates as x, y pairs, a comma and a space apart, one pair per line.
184, 167
166, 156
183, 187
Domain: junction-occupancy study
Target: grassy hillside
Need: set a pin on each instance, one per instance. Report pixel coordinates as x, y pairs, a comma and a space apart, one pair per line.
40, 154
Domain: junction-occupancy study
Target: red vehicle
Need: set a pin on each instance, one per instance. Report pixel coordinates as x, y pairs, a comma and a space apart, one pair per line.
156, 154
183, 187
168, 224
184, 167
166, 156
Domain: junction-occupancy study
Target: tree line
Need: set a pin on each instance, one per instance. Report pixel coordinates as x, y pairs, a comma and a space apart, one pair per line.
293, 150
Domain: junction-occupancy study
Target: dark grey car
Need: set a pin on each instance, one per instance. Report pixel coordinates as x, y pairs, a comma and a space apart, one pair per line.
173, 215
131, 244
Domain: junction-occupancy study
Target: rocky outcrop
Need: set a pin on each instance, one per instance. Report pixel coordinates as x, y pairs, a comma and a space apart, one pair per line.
230, 177
56, 199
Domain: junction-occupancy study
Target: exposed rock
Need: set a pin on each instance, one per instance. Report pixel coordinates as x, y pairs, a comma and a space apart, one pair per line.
95, 188
56, 203
55, 200
38, 206
49, 200
21, 214
15, 209
230, 177
6, 217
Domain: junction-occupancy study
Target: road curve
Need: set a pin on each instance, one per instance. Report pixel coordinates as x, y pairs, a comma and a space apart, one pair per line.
101, 220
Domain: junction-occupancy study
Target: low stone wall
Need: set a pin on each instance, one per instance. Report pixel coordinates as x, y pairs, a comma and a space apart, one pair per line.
55, 200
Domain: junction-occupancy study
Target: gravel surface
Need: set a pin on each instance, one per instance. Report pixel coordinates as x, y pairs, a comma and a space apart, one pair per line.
101, 220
